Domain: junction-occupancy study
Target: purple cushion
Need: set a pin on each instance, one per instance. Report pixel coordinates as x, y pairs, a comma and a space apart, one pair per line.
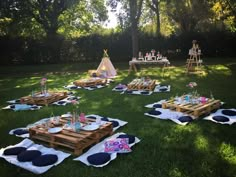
185, 119
45, 160
229, 112
28, 155
99, 158
220, 118
154, 112
14, 150
20, 132
130, 137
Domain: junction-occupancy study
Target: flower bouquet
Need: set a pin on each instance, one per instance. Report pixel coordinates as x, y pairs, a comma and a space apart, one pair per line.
43, 84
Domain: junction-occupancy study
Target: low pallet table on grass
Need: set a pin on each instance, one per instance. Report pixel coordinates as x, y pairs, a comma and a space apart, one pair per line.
75, 142
90, 82
195, 110
138, 84
42, 99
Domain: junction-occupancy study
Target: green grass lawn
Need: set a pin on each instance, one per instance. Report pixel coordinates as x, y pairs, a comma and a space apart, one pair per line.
201, 148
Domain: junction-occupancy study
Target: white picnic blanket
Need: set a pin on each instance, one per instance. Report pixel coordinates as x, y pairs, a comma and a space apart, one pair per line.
100, 148
232, 119
167, 114
28, 165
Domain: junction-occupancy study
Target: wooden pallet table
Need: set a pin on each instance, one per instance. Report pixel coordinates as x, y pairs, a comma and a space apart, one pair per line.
90, 82
195, 110
138, 84
75, 142
42, 99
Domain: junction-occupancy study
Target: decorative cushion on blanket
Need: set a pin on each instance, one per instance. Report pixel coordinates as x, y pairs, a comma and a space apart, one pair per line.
119, 145
45, 160
104, 119
229, 112
114, 123
144, 92
99, 158
185, 119
130, 137
14, 150
163, 89
60, 102
157, 106
28, 155
12, 106
91, 117
154, 112
20, 132
220, 118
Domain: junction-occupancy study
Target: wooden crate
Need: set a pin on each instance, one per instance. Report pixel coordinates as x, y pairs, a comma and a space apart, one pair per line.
75, 142
138, 84
195, 110
40, 99
90, 82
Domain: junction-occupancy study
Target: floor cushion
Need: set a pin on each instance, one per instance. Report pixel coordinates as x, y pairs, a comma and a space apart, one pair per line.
45, 160
185, 119
220, 118
28, 155
130, 137
14, 150
229, 112
154, 112
99, 158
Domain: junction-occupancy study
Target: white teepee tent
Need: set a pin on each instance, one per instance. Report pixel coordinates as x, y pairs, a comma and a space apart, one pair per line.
106, 67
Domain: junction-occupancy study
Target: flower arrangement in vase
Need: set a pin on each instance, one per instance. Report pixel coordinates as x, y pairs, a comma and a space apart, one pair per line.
43, 84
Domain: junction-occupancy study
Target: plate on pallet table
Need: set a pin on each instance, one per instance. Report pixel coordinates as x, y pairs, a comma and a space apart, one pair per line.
90, 127
55, 130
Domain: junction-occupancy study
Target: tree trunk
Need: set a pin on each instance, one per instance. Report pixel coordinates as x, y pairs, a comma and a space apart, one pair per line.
135, 44
158, 27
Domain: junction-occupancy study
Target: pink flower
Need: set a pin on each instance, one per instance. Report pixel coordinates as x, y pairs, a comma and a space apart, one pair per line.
43, 81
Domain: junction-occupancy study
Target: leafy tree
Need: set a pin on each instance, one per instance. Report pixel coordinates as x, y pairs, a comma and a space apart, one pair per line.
154, 5
132, 12
188, 13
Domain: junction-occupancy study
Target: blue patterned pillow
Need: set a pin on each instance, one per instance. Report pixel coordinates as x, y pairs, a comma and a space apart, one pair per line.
14, 150
45, 160
28, 155
99, 158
